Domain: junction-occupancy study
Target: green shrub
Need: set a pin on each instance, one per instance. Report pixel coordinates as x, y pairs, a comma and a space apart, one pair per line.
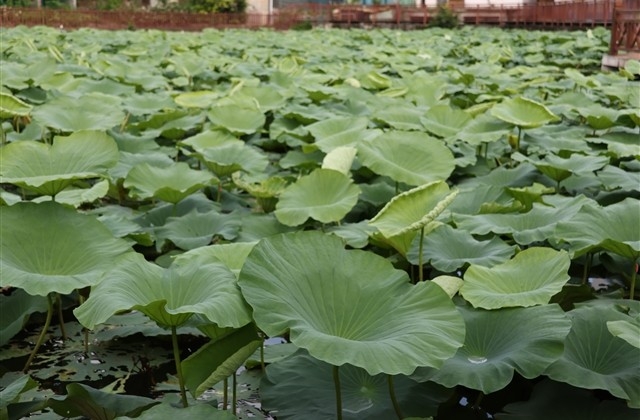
303, 25
444, 18
218, 6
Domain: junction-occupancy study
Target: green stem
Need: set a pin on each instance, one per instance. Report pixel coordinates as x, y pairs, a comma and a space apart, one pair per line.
47, 322
420, 262
219, 191
476, 405
262, 356
394, 400
634, 275
225, 394
60, 317
588, 258
85, 331
176, 359
234, 395
336, 382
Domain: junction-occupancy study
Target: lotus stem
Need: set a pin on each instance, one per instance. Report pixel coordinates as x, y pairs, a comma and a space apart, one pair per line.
588, 259
476, 404
634, 275
85, 330
47, 322
394, 401
420, 262
219, 196
234, 395
225, 394
262, 356
176, 359
336, 381
63, 331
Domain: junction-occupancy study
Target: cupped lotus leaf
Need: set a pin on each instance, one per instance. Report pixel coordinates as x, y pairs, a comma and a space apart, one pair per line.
410, 157
449, 249
167, 296
199, 99
531, 278
48, 248
324, 195
340, 159
194, 229
444, 121
552, 400
49, 169
10, 106
232, 255
338, 131
523, 112
171, 184
613, 228
302, 387
628, 330
90, 112
231, 157
348, 306
236, 119
594, 359
413, 209
219, 359
499, 343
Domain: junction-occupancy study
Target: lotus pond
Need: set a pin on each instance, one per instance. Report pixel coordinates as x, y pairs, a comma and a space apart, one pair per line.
321, 224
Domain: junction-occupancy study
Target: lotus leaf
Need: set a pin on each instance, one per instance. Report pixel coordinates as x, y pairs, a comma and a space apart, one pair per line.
531, 278
523, 112
628, 330
497, 343
338, 131
449, 249
48, 248
231, 255
194, 229
236, 119
340, 159
15, 311
49, 169
594, 358
410, 157
194, 412
171, 184
91, 112
301, 386
10, 106
199, 99
227, 158
613, 228
324, 195
444, 121
348, 306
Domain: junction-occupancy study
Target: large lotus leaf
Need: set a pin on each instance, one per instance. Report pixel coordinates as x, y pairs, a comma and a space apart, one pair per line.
613, 228
171, 184
523, 112
82, 400
237, 119
552, 400
231, 157
219, 359
49, 169
413, 209
531, 278
594, 359
348, 306
168, 296
338, 131
15, 310
302, 387
10, 106
484, 129
90, 112
194, 229
410, 157
444, 121
48, 248
324, 195
499, 343
449, 249
536, 225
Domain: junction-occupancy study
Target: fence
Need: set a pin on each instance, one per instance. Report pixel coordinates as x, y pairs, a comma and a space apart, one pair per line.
570, 14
